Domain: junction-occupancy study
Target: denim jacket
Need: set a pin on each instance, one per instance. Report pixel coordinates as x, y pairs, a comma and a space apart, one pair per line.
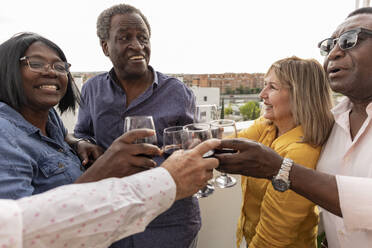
31, 163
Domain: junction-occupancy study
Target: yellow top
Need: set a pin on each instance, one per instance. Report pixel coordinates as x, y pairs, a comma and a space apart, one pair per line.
270, 218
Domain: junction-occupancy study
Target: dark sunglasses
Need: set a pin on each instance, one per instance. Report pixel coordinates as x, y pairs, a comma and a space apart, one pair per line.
345, 41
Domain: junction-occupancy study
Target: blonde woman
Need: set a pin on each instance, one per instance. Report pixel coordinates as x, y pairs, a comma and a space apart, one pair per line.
295, 123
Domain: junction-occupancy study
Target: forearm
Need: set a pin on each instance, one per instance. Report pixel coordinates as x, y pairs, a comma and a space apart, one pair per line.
111, 209
318, 187
11, 224
71, 140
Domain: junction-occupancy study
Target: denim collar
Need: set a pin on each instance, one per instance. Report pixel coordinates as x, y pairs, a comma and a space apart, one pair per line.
17, 119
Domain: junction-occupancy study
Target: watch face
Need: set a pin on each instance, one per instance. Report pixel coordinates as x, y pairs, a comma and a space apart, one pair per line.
280, 185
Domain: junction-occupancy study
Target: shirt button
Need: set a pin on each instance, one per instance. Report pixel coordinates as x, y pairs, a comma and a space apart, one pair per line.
60, 165
60, 150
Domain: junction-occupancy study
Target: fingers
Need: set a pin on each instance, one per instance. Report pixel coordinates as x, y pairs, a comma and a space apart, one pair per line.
209, 175
210, 164
143, 162
96, 153
230, 158
84, 158
231, 168
206, 146
133, 135
236, 144
145, 149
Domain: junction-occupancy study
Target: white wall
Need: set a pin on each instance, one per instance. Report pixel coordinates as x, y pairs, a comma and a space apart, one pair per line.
220, 213
69, 119
206, 95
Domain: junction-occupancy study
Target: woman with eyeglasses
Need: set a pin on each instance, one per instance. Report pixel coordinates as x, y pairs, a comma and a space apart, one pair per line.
295, 123
36, 152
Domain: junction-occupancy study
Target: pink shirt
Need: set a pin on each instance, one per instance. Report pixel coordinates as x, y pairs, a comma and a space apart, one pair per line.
351, 161
86, 215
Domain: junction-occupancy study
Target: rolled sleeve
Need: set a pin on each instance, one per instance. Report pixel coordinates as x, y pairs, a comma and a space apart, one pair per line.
355, 202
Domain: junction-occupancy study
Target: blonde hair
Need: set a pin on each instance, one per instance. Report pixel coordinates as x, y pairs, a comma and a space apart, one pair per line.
310, 96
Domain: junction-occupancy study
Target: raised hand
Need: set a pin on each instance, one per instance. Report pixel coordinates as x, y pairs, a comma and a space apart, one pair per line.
252, 159
190, 170
123, 157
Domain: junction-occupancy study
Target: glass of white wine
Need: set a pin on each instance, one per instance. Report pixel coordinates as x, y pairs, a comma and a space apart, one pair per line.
193, 135
205, 113
221, 129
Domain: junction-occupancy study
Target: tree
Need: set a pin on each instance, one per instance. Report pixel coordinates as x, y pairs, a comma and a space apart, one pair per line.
256, 90
250, 110
223, 109
228, 110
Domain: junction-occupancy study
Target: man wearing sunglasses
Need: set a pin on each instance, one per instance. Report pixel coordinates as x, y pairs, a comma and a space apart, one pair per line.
342, 184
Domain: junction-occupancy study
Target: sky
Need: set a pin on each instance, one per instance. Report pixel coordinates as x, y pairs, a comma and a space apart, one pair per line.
188, 36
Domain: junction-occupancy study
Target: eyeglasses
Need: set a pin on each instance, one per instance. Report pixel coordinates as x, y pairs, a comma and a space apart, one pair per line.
345, 41
38, 65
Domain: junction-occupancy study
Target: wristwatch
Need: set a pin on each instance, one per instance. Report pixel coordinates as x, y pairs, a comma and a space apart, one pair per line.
281, 180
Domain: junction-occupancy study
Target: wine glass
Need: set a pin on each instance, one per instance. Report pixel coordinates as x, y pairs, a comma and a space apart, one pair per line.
172, 140
221, 129
193, 135
204, 114
138, 122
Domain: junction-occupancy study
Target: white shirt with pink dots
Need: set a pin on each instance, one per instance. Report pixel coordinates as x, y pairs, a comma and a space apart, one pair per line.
91, 215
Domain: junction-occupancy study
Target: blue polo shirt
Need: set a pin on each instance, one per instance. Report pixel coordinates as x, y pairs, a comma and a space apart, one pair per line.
31, 163
171, 103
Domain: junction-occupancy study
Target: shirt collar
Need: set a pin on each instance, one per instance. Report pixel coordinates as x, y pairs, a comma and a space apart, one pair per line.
345, 106
16, 118
341, 108
111, 75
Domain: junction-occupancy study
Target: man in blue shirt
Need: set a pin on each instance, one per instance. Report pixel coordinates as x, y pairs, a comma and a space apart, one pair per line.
132, 87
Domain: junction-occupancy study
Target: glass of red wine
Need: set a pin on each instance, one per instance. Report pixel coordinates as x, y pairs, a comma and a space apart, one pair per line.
172, 140
193, 135
221, 129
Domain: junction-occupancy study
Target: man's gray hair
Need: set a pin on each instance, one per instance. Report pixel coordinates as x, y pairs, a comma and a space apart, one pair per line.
104, 19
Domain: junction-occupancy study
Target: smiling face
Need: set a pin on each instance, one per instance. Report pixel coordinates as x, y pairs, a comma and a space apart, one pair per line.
276, 99
349, 71
43, 90
128, 46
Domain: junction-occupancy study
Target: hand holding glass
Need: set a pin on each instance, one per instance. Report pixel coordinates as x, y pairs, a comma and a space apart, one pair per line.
138, 122
193, 135
172, 140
